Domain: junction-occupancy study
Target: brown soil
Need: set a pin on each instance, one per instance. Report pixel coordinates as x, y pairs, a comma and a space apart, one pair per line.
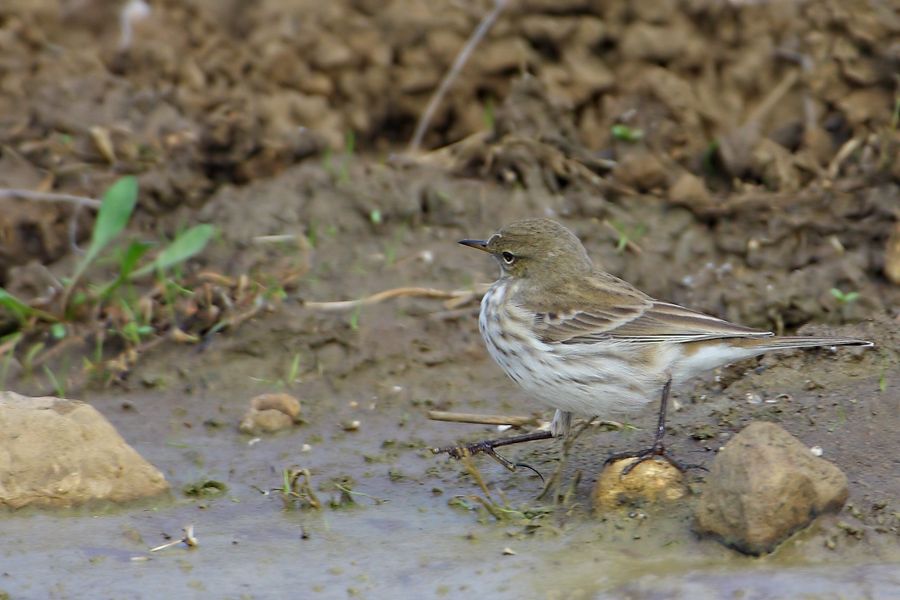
765, 176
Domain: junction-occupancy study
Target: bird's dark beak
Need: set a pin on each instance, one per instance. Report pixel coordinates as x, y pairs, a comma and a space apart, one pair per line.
477, 244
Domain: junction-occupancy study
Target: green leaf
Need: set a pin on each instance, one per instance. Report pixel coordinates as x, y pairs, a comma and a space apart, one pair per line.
58, 331
115, 212
131, 256
183, 247
127, 263
626, 133
20, 310
14, 306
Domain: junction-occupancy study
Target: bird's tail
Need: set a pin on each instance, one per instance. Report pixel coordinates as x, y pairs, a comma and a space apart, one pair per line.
786, 342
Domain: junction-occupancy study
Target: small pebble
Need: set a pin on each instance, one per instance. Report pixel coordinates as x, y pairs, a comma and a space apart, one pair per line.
817, 451
509, 551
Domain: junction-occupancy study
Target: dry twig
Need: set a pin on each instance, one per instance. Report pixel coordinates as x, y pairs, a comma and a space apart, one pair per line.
49, 197
454, 71
455, 297
455, 417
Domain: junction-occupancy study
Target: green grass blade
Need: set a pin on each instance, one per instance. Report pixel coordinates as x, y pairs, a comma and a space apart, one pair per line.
115, 212
127, 263
183, 247
14, 306
20, 310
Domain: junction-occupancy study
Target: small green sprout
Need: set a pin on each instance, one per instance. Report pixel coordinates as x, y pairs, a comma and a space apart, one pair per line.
626, 134
844, 298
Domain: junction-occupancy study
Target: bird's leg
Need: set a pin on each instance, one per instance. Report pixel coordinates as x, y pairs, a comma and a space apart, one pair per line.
488, 447
658, 449
564, 422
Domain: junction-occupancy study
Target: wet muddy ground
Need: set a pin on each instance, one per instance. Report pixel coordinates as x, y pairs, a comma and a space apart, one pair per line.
753, 215
404, 534
415, 525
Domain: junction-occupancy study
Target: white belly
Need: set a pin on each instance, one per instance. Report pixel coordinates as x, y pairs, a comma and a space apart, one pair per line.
606, 378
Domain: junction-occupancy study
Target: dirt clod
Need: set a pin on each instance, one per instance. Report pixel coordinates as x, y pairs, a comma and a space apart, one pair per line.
689, 190
270, 413
264, 421
651, 481
763, 486
281, 402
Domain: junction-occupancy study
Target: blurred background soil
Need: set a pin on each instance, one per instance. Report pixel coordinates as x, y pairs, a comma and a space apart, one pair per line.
744, 107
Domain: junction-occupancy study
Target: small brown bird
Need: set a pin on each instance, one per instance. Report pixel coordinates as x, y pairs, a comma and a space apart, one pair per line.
585, 342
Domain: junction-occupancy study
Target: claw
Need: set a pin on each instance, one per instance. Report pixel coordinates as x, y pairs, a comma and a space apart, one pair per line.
530, 468
653, 453
488, 447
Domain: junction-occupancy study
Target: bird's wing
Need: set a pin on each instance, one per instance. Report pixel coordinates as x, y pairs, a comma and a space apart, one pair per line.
611, 309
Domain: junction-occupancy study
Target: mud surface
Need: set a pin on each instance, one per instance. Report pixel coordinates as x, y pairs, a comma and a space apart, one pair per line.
764, 176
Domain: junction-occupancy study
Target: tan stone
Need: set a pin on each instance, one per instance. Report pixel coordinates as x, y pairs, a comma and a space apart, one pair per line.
281, 402
763, 486
256, 422
270, 413
60, 453
650, 482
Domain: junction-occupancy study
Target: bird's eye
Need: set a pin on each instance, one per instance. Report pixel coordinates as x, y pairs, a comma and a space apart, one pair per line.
508, 258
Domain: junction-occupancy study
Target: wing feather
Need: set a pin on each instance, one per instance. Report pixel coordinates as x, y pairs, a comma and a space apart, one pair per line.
611, 309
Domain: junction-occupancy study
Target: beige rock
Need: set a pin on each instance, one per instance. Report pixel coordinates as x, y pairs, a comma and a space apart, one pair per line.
652, 481
60, 453
270, 413
256, 422
763, 486
281, 402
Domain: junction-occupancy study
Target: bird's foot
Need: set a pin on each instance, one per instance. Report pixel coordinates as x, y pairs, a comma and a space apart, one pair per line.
487, 447
655, 452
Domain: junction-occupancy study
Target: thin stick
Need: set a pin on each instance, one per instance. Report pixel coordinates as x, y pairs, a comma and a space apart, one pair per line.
455, 417
188, 540
629, 243
773, 98
454, 71
416, 292
834, 168
49, 197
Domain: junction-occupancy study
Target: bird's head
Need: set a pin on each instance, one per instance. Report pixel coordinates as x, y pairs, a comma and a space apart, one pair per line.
525, 248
